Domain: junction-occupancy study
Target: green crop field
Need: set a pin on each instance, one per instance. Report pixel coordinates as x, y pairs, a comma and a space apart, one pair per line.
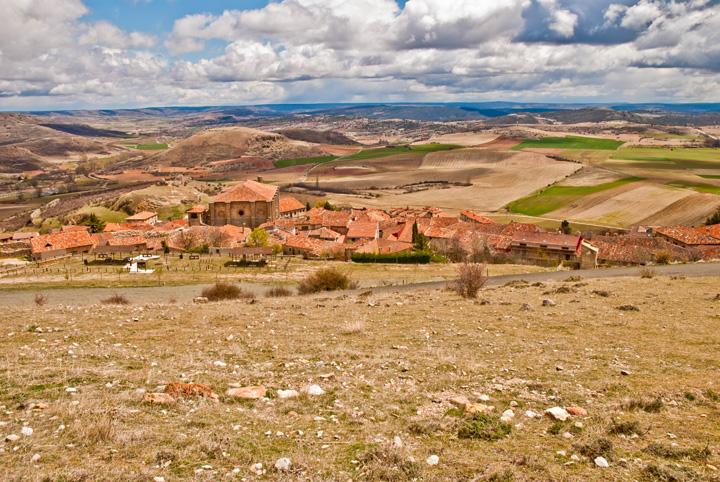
150, 147
709, 176
570, 142
555, 197
699, 187
304, 160
671, 158
395, 150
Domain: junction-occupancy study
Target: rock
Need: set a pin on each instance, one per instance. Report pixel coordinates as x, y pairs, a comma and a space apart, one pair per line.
526, 307
12, 438
531, 414
284, 394
577, 411
624, 373
158, 399
283, 464
628, 308
507, 416
220, 363
257, 469
602, 462
200, 300
71, 390
459, 402
37, 406
26, 431
432, 460
473, 408
314, 390
247, 393
35, 458
548, 302
397, 442
158, 479
188, 390
558, 413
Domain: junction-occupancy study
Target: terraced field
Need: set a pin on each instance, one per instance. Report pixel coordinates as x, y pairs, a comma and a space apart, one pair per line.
670, 158
304, 160
394, 150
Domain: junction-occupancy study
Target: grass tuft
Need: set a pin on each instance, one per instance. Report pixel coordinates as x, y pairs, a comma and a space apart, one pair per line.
484, 427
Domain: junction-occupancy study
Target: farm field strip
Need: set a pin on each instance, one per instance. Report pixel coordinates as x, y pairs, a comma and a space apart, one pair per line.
699, 187
304, 160
555, 197
570, 142
393, 150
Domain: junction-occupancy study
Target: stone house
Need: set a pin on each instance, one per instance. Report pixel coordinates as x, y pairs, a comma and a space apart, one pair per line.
247, 204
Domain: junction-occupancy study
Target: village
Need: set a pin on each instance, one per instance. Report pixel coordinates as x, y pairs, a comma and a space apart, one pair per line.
252, 221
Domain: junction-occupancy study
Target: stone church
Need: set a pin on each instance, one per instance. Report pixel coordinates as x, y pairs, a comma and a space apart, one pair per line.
247, 204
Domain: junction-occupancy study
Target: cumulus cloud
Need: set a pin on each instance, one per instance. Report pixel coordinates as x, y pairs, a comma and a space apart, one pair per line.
365, 50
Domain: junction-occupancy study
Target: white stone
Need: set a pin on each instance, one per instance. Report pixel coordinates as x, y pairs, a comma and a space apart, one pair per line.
35, 458
602, 462
531, 414
397, 442
284, 394
220, 363
314, 390
558, 413
71, 390
158, 479
432, 460
27, 431
283, 464
12, 438
507, 416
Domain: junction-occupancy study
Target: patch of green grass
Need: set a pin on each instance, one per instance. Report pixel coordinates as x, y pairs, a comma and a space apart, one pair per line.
671, 158
150, 147
555, 197
484, 427
699, 187
104, 214
395, 150
304, 160
570, 142
709, 176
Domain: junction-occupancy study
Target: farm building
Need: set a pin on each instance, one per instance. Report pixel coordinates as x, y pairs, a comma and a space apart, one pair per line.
247, 204
143, 217
60, 244
108, 243
545, 248
196, 215
291, 207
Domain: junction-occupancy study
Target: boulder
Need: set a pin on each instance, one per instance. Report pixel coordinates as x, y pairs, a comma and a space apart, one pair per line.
158, 399
247, 393
577, 411
558, 413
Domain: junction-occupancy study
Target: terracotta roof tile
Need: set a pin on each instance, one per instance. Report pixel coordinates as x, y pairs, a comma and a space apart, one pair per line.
290, 204
251, 191
58, 241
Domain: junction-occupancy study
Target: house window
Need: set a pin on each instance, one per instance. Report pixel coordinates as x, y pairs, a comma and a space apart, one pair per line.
543, 245
241, 212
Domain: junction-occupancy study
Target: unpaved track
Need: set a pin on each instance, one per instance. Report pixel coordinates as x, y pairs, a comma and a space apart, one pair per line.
185, 293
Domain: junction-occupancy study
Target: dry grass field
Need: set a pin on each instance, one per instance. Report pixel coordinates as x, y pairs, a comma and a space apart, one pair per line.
638, 356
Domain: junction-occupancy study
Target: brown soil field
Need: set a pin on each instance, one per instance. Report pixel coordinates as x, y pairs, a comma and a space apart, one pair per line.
467, 139
492, 187
690, 211
590, 176
464, 159
637, 356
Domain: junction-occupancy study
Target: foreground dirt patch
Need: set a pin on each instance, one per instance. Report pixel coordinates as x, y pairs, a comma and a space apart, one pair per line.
399, 376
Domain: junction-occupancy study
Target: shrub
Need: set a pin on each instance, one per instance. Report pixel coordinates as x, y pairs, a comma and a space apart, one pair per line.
650, 406
202, 249
624, 428
387, 464
40, 299
663, 258
326, 279
601, 447
417, 257
673, 452
278, 292
116, 299
484, 427
225, 291
647, 272
471, 279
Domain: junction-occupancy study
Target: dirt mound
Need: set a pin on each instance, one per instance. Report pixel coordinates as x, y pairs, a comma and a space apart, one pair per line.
232, 143
318, 137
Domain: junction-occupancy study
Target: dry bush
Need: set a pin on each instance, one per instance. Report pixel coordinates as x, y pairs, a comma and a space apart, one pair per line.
41, 299
353, 327
116, 299
387, 464
484, 427
225, 291
646, 272
278, 292
471, 278
663, 257
325, 279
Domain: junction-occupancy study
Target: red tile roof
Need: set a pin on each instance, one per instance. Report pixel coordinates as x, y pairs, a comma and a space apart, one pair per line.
59, 241
290, 204
360, 229
554, 240
250, 191
476, 218
690, 236
115, 227
324, 233
198, 209
141, 216
515, 227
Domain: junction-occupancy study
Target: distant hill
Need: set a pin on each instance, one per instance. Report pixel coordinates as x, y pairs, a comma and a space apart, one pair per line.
231, 143
318, 137
86, 130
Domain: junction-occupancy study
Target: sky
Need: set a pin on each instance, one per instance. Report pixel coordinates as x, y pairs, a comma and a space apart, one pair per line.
75, 54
